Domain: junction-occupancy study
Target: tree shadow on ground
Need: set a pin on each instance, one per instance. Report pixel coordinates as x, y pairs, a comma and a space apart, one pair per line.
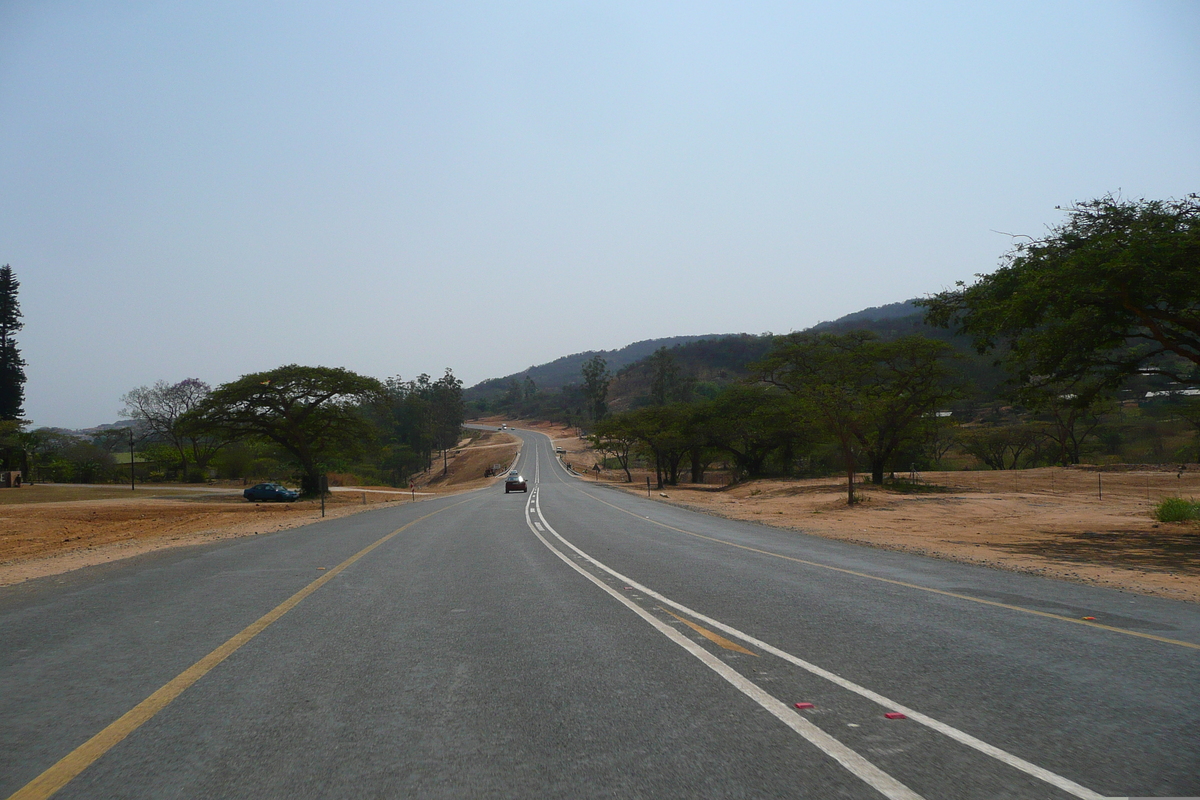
1168, 550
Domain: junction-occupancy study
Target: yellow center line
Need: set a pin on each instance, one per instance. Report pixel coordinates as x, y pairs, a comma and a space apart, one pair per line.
712, 637
905, 584
79, 759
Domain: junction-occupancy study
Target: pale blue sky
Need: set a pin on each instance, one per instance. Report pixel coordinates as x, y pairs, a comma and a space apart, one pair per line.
209, 189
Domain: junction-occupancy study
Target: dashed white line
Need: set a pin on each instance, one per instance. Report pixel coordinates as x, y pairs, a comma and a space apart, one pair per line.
1014, 761
860, 767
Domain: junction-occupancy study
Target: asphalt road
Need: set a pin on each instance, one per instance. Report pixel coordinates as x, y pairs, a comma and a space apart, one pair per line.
578, 641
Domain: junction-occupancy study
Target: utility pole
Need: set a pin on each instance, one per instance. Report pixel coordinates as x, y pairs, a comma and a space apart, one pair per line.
132, 474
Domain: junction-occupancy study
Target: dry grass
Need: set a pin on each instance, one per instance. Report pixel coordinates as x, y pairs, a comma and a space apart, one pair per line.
47, 529
66, 493
1074, 524
1054, 522
466, 466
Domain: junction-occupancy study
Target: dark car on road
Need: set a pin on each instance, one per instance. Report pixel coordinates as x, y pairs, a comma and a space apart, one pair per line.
270, 492
515, 483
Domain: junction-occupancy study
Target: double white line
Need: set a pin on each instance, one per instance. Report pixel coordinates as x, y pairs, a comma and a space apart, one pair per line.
866, 771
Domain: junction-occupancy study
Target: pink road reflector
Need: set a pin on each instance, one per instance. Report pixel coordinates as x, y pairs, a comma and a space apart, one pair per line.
628, 588
805, 705
895, 715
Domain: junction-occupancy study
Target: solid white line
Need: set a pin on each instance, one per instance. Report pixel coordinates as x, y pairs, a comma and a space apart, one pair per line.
1016, 762
860, 767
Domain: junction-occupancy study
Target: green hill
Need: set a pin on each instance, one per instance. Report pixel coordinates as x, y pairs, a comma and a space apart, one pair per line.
565, 370
705, 363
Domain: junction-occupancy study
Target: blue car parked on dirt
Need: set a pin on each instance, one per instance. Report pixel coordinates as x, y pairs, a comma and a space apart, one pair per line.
266, 492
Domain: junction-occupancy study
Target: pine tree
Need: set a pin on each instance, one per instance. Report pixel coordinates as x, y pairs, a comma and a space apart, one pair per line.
12, 366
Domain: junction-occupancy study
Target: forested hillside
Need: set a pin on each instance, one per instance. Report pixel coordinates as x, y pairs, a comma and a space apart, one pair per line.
565, 370
702, 364
1081, 350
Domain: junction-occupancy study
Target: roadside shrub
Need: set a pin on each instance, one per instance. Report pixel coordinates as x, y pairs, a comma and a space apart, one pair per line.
1176, 509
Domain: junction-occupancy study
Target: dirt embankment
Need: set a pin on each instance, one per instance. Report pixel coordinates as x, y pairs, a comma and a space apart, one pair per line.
46, 529
467, 466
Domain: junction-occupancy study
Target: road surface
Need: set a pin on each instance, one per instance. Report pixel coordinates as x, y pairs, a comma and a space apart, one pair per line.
579, 641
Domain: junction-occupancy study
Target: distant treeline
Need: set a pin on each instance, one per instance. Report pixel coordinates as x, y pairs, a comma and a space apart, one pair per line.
292, 422
1084, 345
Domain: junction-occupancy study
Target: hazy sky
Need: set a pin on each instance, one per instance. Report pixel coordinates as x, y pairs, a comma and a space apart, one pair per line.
210, 189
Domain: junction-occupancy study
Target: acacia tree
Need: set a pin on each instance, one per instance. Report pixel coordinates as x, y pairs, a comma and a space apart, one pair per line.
939, 437
1073, 413
699, 447
12, 366
871, 396
1113, 291
659, 430
161, 410
751, 423
614, 437
1002, 447
308, 411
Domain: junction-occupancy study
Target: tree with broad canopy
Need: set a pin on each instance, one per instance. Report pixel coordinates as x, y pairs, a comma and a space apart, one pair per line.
870, 395
308, 411
615, 437
753, 422
1113, 291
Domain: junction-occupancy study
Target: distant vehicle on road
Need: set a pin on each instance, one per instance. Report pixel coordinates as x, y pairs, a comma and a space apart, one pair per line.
560, 449
503, 427
267, 492
515, 483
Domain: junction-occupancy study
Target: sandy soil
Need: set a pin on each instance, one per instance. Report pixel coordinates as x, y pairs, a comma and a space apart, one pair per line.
47, 529
1051, 522
1078, 524
1074, 524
